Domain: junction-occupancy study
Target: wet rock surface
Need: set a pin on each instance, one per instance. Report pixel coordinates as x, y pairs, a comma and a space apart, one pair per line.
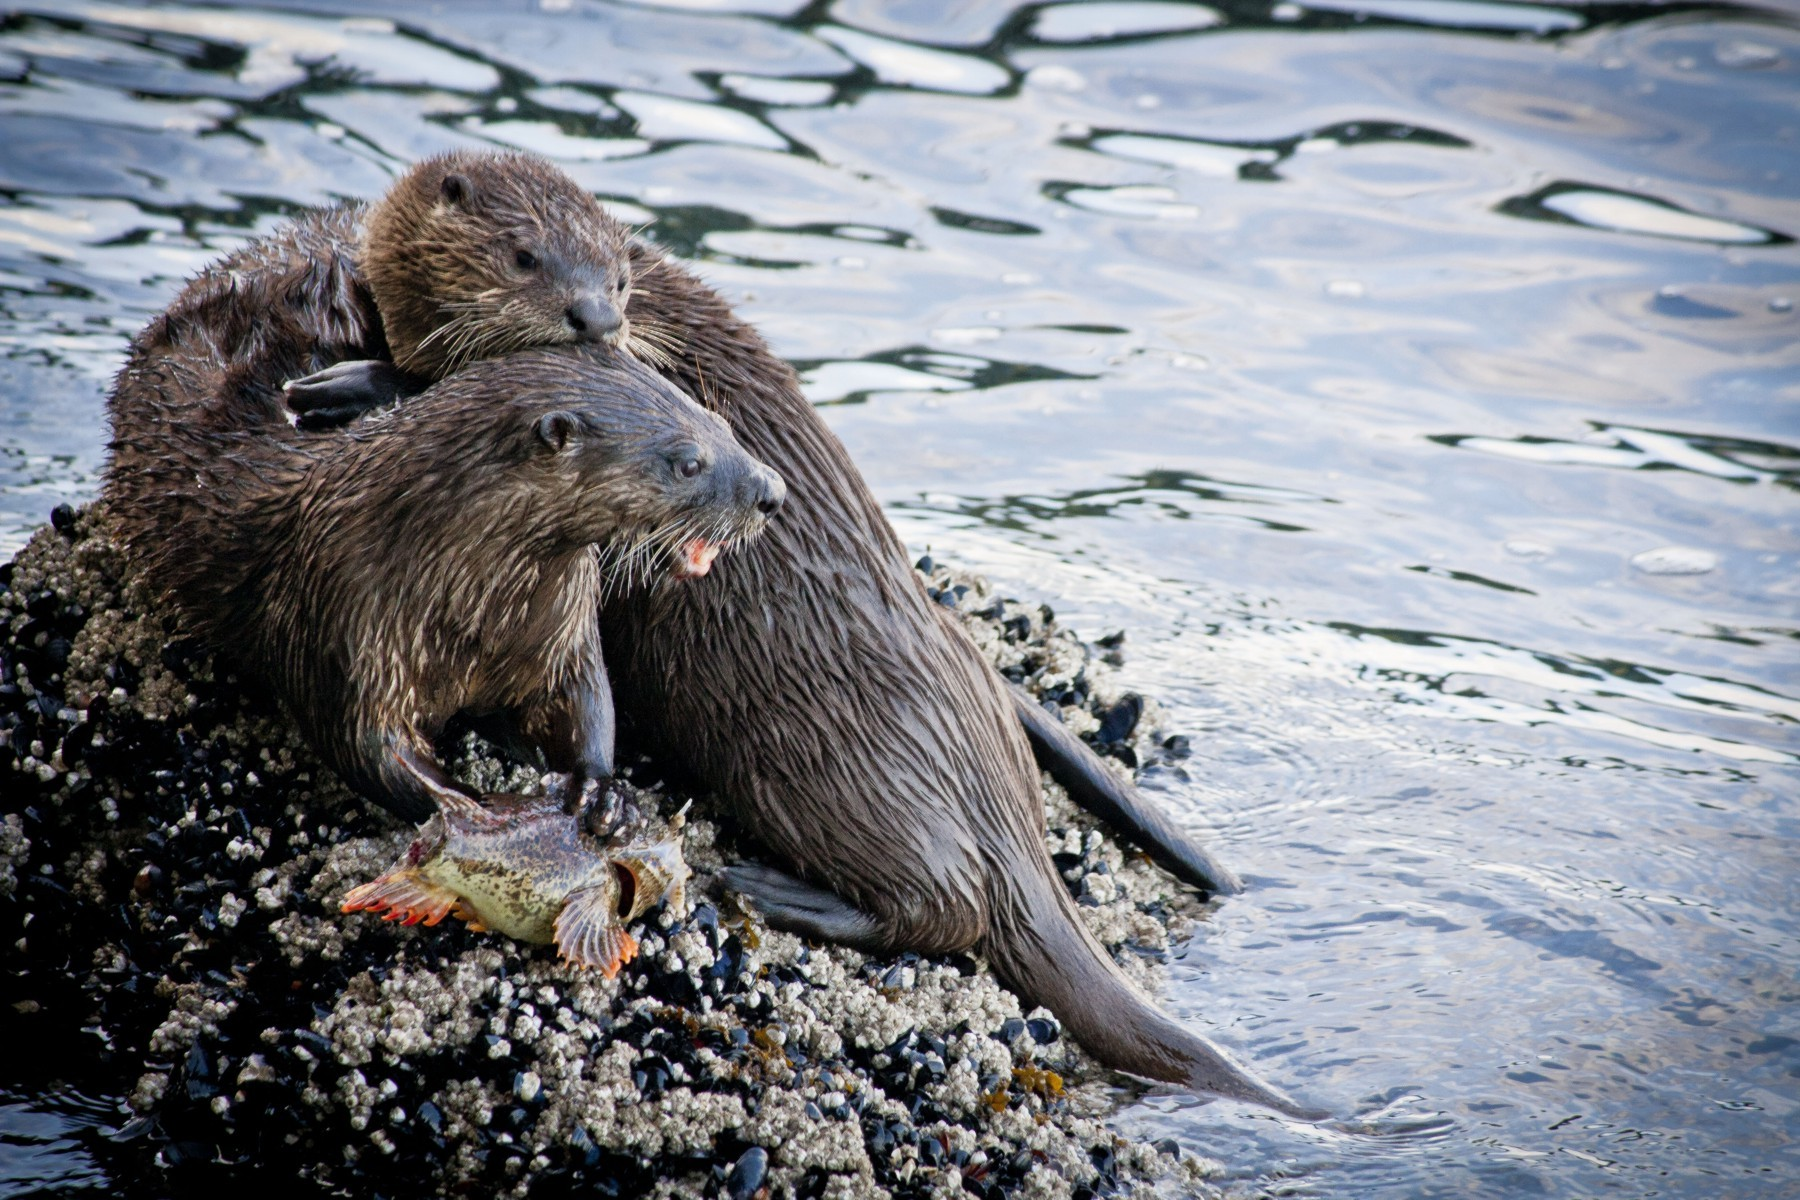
171, 862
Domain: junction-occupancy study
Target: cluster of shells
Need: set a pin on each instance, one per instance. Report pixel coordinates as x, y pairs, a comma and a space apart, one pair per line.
171, 858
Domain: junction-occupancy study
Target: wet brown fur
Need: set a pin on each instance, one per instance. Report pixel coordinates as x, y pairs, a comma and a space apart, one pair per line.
444, 270
443, 556
850, 723
853, 726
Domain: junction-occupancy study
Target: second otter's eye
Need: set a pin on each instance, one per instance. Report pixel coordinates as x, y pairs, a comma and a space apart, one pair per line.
689, 467
526, 260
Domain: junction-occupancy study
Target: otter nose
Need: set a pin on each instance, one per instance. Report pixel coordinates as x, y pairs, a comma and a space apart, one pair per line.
592, 318
769, 492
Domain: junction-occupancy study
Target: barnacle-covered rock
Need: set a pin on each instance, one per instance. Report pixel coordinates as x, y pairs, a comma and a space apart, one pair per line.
172, 861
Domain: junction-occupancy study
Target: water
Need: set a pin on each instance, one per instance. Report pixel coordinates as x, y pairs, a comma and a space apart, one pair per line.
1413, 381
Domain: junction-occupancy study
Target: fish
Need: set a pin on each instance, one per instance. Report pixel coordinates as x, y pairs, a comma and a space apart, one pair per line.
521, 866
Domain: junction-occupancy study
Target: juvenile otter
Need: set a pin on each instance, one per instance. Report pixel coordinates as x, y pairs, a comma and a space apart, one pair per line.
448, 556
469, 255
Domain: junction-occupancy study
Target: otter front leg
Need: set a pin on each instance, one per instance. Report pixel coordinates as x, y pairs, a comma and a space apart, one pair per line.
578, 732
346, 390
585, 725
787, 903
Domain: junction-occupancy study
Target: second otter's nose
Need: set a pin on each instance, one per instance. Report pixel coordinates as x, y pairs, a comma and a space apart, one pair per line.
769, 490
592, 319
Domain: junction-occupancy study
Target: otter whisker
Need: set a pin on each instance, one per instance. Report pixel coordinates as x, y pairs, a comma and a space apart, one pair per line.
447, 329
660, 332
657, 346
648, 351
658, 262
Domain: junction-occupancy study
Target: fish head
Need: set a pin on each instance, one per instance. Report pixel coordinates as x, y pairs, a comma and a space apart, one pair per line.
652, 871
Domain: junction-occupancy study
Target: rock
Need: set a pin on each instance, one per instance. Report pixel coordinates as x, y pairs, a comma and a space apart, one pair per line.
171, 861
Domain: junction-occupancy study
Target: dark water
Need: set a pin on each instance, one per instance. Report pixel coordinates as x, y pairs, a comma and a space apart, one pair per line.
1417, 388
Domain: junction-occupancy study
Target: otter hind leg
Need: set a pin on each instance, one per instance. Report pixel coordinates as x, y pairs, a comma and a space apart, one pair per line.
1073, 763
787, 903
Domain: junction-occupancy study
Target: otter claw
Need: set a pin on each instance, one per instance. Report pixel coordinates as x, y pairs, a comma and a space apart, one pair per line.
604, 812
572, 789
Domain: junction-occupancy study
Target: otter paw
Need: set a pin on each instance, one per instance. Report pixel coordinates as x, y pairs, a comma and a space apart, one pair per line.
798, 907
344, 391
602, 810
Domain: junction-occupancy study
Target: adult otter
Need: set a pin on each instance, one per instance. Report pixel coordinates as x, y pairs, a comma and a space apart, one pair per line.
859, 733
469, 255
448, 556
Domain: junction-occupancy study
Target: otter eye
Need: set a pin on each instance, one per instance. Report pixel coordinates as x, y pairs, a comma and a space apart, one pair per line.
619, 287
526, 260
689, 467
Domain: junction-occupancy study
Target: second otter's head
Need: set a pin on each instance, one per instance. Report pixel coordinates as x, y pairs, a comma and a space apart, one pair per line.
609, 453
472, 254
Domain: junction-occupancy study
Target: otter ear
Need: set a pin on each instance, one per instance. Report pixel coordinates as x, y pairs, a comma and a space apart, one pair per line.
457, 189
557, 429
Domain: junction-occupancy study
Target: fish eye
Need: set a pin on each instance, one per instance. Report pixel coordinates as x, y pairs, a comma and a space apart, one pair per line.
526, 260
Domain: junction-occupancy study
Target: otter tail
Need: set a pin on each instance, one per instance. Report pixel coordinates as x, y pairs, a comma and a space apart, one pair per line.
1041, 950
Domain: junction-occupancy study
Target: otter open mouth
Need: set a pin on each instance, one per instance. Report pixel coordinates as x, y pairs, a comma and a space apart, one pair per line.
696, 557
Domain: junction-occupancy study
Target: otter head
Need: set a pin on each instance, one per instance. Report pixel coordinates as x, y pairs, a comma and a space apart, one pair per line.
472, 254
626, 461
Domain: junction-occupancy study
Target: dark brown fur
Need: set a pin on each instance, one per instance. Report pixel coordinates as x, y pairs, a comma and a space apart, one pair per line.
854, 727
440, 253
445, 556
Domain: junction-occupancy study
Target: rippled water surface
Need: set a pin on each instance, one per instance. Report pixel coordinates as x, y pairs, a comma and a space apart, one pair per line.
1413, 381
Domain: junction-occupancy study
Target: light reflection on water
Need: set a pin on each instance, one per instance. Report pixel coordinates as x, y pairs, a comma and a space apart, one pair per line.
1416, 390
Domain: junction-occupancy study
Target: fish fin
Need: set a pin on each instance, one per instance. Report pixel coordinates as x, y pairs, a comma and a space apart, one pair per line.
588, 932
462, 912
407, 896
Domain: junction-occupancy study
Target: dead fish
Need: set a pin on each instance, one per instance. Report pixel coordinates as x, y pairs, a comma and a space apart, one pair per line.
523, 867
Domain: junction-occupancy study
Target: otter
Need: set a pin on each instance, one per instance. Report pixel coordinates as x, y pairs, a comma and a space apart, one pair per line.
468, 255
446, 557
859, 734
855, 729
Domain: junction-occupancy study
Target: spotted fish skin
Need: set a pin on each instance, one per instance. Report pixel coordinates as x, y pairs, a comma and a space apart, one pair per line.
523, 867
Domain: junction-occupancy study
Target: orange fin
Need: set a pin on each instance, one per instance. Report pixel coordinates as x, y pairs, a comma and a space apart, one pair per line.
462, 912
588, 932
408, 898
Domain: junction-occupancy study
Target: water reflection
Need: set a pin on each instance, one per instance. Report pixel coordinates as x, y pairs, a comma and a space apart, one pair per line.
1411, 381
1622, 211
1633, 449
